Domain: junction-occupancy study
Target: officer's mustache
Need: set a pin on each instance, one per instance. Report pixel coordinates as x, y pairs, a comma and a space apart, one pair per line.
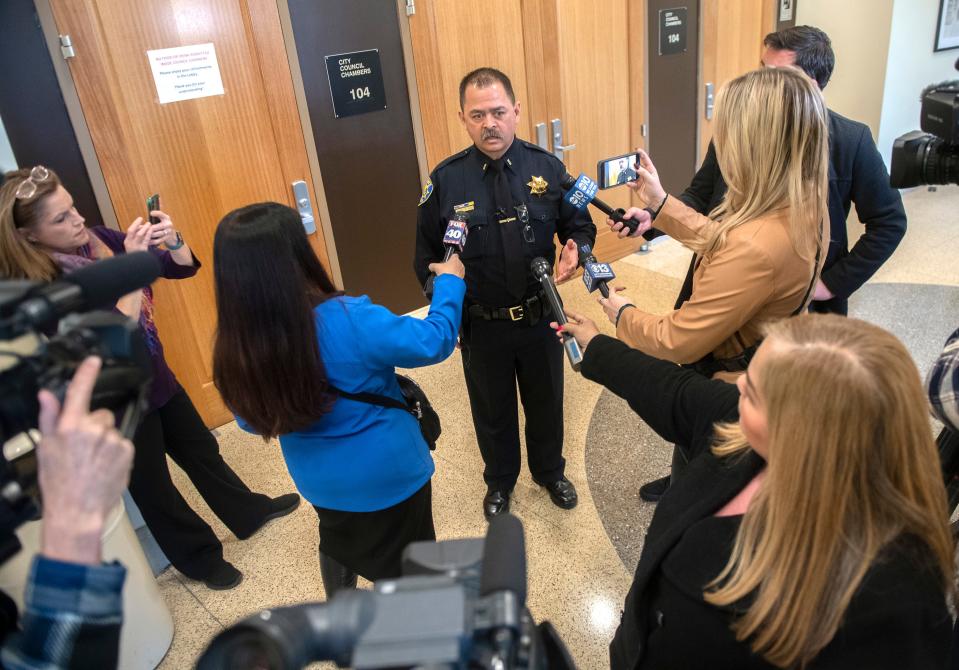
487, 134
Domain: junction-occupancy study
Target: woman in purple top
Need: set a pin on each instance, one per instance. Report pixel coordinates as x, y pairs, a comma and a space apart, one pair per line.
41, 237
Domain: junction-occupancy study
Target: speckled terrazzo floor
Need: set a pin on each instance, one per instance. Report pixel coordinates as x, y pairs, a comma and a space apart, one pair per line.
580, 561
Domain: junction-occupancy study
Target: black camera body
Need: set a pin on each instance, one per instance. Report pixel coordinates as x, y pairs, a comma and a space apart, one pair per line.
31, 360
932, 156
460, 604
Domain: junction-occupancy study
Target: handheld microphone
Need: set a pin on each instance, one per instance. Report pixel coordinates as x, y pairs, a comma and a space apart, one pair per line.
504, 558
454, 240
596, 275
582, 191
541, 270
96, 286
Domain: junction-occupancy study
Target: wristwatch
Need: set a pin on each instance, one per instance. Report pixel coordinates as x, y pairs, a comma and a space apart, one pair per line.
176, 245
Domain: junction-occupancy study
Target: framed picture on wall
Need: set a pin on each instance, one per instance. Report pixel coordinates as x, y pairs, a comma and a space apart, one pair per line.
947, 29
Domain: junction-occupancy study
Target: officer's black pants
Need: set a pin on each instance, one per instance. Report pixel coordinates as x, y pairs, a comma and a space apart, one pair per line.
497, 355
187, 540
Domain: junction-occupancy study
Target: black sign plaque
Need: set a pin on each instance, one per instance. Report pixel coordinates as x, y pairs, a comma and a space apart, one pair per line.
672, 31
356, 83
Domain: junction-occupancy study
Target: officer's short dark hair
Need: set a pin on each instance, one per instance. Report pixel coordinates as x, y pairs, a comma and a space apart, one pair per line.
812, 47
483, 77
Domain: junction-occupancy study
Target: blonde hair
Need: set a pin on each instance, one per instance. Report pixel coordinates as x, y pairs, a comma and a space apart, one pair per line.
848, 472
772, 146
18, 258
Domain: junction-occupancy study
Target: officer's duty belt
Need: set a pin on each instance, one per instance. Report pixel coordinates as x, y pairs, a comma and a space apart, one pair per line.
530, 311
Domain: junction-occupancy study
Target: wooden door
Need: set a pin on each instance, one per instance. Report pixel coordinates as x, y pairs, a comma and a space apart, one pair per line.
549, 50
597, 91
451, 38
733, 32
204, 156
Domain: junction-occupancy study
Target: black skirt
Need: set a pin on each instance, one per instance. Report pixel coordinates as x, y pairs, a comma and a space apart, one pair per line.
371, 544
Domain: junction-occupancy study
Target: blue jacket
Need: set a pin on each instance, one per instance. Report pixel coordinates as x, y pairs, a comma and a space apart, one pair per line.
361, 457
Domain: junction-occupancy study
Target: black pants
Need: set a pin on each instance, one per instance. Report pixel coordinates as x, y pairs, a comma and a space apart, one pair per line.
190, 544
371, 544
497, 355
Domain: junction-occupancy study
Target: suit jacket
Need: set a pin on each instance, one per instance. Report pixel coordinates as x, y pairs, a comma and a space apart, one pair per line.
754, 278
856, 175
898, 617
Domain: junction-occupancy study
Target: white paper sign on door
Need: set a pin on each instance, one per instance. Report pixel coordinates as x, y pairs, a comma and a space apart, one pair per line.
185, 73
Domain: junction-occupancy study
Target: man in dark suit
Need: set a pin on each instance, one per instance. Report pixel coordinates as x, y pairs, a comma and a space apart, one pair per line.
856, 175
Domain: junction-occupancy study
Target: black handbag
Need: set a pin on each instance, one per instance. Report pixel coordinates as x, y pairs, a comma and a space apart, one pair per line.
416, 404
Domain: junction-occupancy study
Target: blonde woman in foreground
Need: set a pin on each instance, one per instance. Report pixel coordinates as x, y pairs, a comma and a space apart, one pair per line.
762, 247
810, 528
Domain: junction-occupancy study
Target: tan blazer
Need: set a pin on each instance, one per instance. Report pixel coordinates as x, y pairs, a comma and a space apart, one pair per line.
756, 277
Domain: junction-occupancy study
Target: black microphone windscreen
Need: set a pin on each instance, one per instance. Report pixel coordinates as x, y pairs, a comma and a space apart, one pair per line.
540, 267
104, 282
504, 558
568, 181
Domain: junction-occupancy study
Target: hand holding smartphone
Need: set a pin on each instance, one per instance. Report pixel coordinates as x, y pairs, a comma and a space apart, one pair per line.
617, 170
157, 232
153, 204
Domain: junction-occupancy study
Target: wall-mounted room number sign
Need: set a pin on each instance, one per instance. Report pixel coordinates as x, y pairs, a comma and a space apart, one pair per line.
356, 83
672, 30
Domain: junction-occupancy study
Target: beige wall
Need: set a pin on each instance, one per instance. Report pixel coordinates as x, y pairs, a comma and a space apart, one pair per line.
912, 66
859, 30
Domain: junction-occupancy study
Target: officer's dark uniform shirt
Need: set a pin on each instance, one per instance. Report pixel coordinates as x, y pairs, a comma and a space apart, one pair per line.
463, 183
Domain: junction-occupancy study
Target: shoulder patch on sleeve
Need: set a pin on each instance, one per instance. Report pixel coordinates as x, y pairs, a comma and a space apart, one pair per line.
427, 192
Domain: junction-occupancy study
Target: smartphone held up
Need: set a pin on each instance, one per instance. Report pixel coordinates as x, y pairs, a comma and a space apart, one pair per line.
617, 170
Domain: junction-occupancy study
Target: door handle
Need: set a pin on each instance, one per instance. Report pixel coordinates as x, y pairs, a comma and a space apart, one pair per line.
303, 205
710, 101
559, 149
542, 141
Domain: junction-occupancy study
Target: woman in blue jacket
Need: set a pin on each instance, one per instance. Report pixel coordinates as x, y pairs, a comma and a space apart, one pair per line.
286, 335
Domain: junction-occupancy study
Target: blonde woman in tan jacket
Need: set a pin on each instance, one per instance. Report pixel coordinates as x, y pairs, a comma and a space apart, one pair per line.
761, 249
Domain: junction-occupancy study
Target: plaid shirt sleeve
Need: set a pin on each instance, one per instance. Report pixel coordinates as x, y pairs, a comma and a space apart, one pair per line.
943, 384
72, 617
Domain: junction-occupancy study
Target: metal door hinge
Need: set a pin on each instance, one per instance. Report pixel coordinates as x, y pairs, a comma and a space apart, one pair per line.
644, 130
410, 7
66, 47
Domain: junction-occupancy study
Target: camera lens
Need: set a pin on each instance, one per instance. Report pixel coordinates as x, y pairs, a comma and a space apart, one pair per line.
941, 165
920, 158
243, 649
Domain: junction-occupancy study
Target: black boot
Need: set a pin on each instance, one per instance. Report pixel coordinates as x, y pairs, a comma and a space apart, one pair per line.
336, 576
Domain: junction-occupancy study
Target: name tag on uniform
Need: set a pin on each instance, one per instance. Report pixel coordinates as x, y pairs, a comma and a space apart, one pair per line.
508, 219
464, 207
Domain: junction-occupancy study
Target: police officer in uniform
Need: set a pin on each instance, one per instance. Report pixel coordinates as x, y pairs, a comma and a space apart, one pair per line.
626, 173
509, 192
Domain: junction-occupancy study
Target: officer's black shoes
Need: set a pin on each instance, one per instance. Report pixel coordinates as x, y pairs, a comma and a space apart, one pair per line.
654, 490
562, 493
495, 503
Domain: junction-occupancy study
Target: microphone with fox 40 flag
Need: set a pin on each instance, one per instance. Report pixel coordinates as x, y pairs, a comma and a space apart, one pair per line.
454, 240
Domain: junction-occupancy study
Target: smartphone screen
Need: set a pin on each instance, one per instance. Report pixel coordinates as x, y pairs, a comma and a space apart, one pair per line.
153, 204
617, 170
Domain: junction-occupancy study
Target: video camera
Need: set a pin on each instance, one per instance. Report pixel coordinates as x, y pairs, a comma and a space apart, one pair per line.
461, 604
46, 331
930, 157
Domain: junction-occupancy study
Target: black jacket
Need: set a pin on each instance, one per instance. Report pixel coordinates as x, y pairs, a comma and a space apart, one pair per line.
897, 620
461, 183
856, 175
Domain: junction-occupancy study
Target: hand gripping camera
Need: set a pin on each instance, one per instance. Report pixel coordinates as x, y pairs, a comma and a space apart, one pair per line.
44, 336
